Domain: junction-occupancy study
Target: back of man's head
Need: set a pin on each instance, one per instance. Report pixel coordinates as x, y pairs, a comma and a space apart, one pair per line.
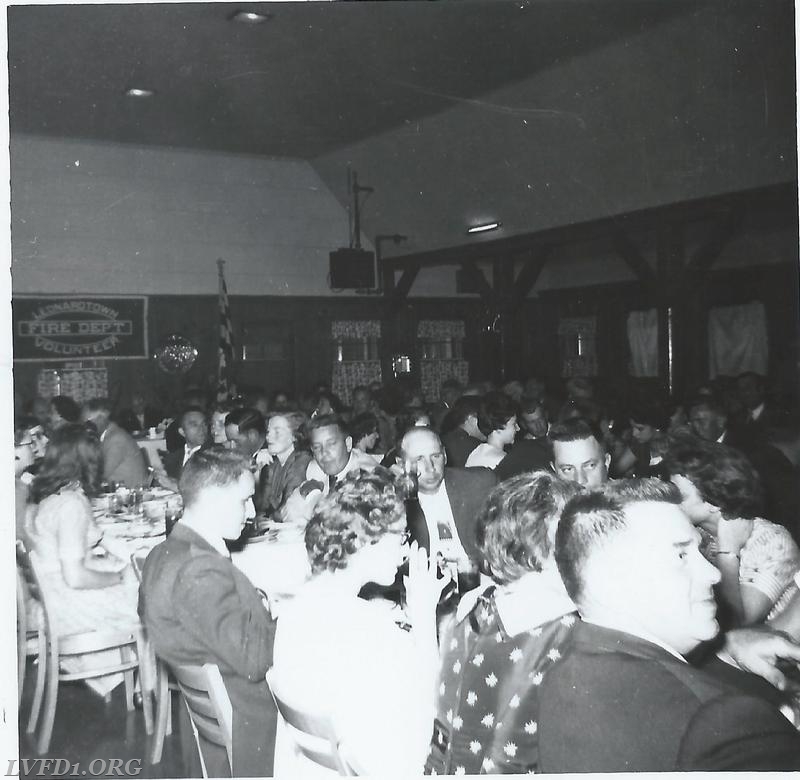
465, 407
216, 466
247, 419
591, 521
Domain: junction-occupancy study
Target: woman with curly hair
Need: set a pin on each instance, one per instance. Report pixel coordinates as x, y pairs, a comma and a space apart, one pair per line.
345, 657
498, 423
501, 640
91, 588
723, 497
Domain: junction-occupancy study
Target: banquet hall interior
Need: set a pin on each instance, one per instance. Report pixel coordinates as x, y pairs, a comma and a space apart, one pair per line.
378, 216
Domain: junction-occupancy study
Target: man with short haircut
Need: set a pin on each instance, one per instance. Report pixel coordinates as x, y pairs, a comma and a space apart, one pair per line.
531, 450
579, 453
195, 431
460, 432
123, 461
199, 608
448, 497
246, 428
622, 697
333, 457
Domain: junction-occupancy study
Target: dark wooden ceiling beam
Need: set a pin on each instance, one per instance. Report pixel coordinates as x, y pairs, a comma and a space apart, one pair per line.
633, 258
762, 199
704, 257
529, 274
404, 284
479, 279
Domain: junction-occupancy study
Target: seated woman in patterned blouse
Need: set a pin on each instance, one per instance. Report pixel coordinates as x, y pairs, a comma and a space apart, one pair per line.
343, 656
501, 641
723, 497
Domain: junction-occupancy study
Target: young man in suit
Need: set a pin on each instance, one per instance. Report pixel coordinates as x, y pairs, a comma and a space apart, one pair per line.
195, 431
622, 696
123, 461
199, 608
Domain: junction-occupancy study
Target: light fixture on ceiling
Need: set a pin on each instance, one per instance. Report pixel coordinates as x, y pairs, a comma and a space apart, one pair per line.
485, 227
249, 17
138, 92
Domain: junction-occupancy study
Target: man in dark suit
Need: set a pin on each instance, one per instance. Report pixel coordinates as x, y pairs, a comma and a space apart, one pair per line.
531, 451
140, 416
199, 608
460, 432
622, 696
449, 498
195, 431
123, 461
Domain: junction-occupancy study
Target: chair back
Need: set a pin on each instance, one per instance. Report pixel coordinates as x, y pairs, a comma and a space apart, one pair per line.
137, 563
313, 735
30, 583
209, 706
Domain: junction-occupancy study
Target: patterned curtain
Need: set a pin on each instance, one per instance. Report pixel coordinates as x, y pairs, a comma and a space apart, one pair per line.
643, 342
356, 355
737, 340
441, 355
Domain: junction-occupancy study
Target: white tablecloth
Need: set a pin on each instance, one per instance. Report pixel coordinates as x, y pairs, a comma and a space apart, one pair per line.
151, 447
277, 564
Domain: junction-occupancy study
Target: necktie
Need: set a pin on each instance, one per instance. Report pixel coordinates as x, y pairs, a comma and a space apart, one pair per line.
333, 481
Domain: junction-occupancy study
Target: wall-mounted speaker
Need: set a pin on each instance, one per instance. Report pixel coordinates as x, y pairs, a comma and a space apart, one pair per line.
352, 268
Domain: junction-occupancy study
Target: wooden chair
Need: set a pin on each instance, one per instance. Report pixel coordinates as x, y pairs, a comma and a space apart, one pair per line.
209, 707
130, 643
30, 625
314, 736
160, 687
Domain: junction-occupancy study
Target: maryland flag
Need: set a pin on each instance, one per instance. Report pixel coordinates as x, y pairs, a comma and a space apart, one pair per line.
225, 383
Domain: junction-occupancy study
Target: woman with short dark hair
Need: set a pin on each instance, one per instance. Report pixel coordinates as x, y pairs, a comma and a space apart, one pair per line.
722, 496
345, 657
498, 423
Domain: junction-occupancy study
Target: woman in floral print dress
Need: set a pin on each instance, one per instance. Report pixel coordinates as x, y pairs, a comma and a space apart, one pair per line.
501, 641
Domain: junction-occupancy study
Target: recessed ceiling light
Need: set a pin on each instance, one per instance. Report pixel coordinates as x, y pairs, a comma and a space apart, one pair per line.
138, 92
485, 227
250, 17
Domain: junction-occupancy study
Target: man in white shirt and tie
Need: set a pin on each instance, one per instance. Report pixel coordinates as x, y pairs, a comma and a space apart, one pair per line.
334, 456
448, 497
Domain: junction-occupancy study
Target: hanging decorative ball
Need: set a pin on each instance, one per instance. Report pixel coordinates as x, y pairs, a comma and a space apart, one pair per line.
176, 355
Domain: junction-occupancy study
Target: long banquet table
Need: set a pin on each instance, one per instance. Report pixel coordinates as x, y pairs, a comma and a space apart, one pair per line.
275, 562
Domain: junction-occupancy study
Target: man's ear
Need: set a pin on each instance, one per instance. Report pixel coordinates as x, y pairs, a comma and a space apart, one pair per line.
181, 432
608, 460
348, 443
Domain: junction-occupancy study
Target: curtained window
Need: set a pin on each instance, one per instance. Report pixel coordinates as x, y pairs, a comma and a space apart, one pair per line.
643, 343
737, 340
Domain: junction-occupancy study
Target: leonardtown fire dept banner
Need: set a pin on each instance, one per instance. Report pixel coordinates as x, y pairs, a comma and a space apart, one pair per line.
79, 327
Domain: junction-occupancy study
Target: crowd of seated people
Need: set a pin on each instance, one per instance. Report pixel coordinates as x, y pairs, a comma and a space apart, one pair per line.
633, 598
